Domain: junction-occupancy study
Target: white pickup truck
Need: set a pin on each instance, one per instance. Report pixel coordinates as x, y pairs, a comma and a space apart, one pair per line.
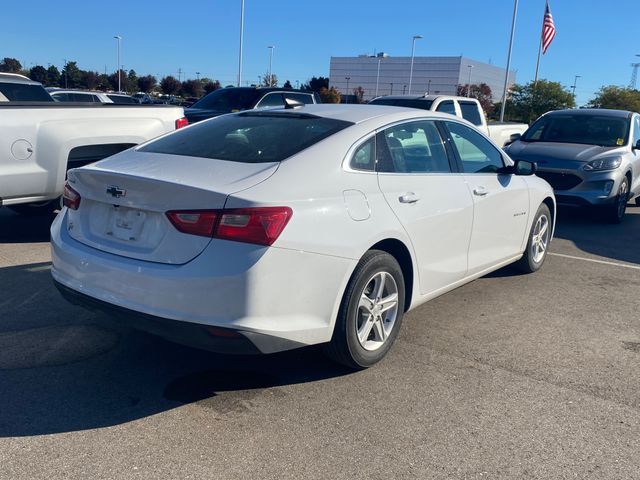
467, 108
41, 139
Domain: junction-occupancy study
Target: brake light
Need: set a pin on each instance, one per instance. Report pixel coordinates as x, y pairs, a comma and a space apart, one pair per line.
259, 225
70, 198
194, 222
181, 122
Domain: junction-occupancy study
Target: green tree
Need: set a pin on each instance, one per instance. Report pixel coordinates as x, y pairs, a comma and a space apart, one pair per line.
71, 76
330, 95
132, 81
38, 74
53, 76
103, 82
147, 83
316, 84
124, 81
192, 88
269, 80
10, 65
287, 84
170, 85
211, 85
358, 92
529, 101
90, 80
482, 93
618, 98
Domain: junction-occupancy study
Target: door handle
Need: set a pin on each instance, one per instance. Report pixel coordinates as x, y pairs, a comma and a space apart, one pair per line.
480, 191
408, 197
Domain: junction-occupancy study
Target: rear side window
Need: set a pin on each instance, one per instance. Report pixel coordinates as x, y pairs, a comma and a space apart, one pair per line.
229, 99
249, 137
364, 158
22, 92
447, 107
271, 100
305, 98
470, 112
121, 99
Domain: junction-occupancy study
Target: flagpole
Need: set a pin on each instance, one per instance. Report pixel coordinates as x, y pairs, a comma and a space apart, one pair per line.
535, 82
506, 75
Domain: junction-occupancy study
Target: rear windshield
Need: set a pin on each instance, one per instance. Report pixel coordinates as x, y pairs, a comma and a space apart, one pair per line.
602, 130
403, 102
22, 92
250, 137
229, 99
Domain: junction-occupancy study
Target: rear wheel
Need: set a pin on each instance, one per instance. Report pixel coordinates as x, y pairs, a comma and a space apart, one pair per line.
370, 313
614, 213
36, 209
538, 242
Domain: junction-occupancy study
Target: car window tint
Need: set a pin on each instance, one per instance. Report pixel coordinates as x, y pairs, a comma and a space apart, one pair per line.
477, 154
470, 112
414, 147
229, 99
250, 137
305, 98
384, 101
364, 158
271, 100
447, 107
20, 92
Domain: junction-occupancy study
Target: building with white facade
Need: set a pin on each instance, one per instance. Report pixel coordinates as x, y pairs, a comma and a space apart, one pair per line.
385, 75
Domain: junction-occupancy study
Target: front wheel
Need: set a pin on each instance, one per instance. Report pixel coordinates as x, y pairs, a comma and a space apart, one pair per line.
614, 213
538, 243
370, 313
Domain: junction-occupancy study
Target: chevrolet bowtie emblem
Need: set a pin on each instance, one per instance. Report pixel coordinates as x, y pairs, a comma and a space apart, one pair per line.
116, 192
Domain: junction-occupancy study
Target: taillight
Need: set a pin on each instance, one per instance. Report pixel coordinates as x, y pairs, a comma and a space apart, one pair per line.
181, 122
259, 225
194, 222
70, 198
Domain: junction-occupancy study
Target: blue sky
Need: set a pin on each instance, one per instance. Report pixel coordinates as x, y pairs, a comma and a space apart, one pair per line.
595, 39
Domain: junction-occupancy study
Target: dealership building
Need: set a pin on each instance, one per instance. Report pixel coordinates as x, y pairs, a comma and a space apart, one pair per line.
388, 75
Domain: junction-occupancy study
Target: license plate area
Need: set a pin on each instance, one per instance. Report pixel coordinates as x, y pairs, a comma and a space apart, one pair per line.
126, 223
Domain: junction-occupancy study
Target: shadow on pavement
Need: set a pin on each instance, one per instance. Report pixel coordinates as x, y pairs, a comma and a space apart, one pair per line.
66, 369
591, 235
16, 228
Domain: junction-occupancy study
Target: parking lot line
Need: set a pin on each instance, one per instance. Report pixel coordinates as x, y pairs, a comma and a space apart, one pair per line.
614, 264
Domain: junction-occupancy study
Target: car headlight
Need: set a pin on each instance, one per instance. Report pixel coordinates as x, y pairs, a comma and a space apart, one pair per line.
603, 164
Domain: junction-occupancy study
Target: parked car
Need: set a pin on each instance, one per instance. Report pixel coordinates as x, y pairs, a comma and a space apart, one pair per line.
40, 141
18, 88
591, 157
269, 230
467, 108
235, 99
87, 96
143, 98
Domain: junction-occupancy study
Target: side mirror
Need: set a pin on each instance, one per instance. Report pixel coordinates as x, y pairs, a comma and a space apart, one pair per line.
514, 137
522, 167
636, 146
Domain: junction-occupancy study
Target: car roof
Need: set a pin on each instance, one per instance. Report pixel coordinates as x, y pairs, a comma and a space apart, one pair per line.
88, 92
361, 113
607, 112
424, 97
16, 78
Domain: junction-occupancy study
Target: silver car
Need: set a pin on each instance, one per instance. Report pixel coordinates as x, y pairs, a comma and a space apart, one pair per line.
591, 157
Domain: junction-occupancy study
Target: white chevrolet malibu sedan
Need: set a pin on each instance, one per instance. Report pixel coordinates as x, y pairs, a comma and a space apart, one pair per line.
268, 230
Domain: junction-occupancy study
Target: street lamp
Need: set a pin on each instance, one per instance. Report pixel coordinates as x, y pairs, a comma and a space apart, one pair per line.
413, 51
66, 74
198, 76
271, 47
575, 82
347, 97
378, 76
429, 87
119, 39
241, 39
469, 84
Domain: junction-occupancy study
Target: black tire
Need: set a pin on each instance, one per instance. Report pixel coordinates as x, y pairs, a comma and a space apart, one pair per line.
530, 262
36, 209
345, 347
614, 213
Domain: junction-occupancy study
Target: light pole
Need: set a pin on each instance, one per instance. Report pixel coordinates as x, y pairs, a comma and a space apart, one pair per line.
241, 39
66, 74
198, 76
469, 84
413, 52
347, 97
506, 73
271, 47
575, 82
429, 87
378, 76
119, 39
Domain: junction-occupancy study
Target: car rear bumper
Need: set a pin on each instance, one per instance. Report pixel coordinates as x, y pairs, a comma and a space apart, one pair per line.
276, 298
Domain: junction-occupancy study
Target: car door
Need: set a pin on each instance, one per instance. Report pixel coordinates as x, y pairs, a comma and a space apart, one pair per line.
635, 155
433, 204
501, 201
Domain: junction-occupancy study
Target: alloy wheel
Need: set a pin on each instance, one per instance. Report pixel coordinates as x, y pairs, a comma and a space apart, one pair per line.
377, 311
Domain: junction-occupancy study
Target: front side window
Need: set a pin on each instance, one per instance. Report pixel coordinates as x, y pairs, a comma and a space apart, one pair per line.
249, 137
271, 100
447, 107
364, 158
476, 152
414, 147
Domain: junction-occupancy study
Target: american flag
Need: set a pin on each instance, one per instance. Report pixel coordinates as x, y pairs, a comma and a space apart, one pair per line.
548, 29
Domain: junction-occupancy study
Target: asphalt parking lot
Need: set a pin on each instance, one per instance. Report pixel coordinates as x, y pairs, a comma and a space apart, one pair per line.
511, 376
